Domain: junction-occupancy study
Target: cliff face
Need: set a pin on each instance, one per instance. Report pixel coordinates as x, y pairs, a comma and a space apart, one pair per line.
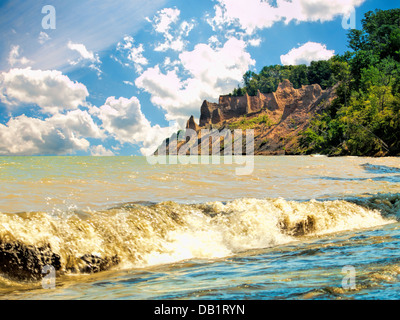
233, 107
191, 124
286, 98
277, 118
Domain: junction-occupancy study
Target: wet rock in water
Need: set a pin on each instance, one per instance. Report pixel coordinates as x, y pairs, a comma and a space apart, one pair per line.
300, 228
21, 262
97, 264
304, 227
26, 262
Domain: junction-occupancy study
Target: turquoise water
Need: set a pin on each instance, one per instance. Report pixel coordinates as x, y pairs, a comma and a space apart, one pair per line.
290, 230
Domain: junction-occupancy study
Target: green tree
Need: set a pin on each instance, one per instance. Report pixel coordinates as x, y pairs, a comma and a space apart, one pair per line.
364, 119
320, 72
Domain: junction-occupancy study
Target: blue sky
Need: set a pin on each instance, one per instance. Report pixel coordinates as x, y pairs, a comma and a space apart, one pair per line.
117, 77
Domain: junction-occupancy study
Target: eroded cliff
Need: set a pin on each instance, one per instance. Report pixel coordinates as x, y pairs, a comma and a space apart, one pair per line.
277, 118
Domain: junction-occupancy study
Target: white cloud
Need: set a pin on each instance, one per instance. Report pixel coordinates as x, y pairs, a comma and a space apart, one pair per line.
218, 67
52, 91
319, 10
60, 134
123, 119
43, 37
255, 42
81, 49
166, 90
96, 68
97, 24
214, 40
133, 53
170, 43
14, 57
78, 121
251, 15
310, 51
128, 83
66, 133
85, 56
155, 136
169, 64
212, 71
166, 23
164, 19
101, 151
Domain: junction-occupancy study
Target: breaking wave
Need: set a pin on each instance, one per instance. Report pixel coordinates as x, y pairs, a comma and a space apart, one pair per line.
144, 234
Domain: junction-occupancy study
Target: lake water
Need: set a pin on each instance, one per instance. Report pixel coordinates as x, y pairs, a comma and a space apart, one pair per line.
301, 227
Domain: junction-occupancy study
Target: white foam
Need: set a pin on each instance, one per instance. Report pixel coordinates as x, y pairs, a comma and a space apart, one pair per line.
170, 232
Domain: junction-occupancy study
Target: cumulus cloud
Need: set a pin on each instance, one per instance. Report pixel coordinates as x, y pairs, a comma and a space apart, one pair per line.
255, 42
79, 122
14, 57
212, 71
319, 10
214, 40
101, 151
155, 136
123, 119
166, 23
133, 53
164, 18
52, 91
67, 129
57, 135
169, 64
310, 51
251, 15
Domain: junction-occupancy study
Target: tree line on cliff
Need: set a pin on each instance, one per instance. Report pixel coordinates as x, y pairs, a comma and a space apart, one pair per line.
364, 119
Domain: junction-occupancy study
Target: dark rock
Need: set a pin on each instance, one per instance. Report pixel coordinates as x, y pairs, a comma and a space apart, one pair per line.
25, 262
97, 264
300, 228
21, 262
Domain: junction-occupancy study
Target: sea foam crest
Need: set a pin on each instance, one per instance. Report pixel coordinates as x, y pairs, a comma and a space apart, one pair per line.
139, 235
